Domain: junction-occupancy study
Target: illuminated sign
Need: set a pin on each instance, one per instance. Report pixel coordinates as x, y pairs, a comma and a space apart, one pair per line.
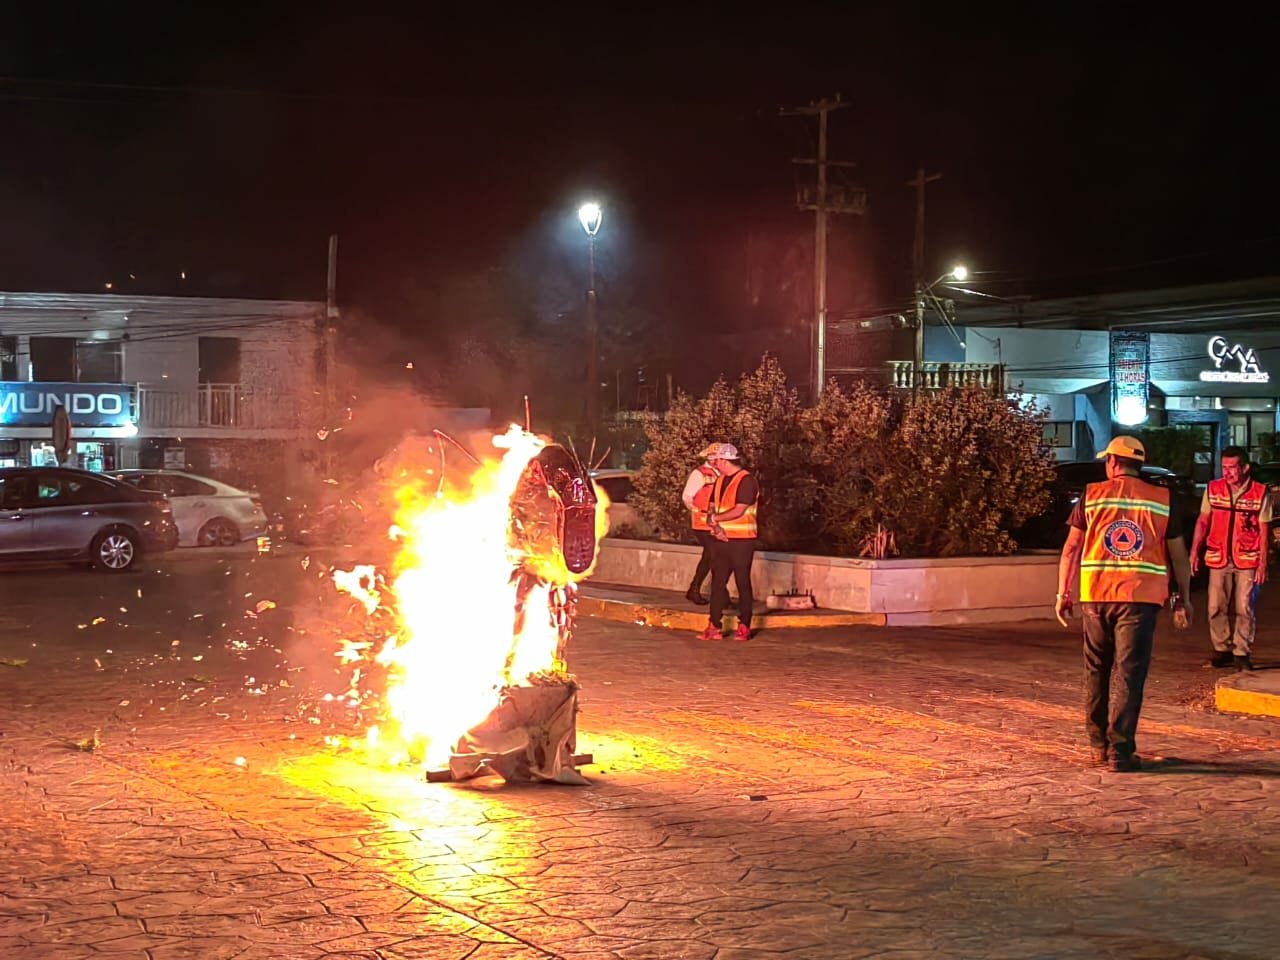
88, 404
1130, 377
1233, 355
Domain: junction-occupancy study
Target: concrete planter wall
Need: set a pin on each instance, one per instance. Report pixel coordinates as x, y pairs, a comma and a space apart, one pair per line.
950, 591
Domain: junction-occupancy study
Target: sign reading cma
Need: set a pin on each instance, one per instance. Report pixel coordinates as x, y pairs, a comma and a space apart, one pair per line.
88, 404
1225, 353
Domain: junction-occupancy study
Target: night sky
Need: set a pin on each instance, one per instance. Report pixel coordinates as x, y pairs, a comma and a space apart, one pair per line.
149, 141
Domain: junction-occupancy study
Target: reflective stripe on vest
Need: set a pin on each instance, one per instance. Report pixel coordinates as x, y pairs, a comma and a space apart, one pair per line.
1235, 535
724, 497
1125, 559
702, 499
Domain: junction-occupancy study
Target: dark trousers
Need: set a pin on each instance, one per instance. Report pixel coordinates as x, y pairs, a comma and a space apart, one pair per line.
731, 556
705, 539
1117, 656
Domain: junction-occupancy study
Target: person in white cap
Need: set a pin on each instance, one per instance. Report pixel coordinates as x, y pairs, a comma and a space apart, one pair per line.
697, 499
732, 519
1123, 541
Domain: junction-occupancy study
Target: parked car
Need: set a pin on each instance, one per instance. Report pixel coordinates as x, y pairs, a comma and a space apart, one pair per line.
208, 513
623, 518
54, 513
1049, 530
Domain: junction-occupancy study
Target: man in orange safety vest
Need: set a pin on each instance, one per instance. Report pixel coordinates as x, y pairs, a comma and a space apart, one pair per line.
1234, 528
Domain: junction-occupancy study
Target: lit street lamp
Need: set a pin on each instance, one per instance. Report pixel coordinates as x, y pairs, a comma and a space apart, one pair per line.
960, 273
591, 215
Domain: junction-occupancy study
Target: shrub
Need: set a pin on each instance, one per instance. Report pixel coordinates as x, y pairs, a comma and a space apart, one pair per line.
946, 473
763, 418
1174, 448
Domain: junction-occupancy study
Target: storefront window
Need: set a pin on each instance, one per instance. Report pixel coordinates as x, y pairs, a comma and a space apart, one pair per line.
1058, 434
53, 359
8, 358
99, 361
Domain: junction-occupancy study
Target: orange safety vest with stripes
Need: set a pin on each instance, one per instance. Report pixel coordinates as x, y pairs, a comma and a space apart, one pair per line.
702, 499
1234, 532
1125, 559
724, 496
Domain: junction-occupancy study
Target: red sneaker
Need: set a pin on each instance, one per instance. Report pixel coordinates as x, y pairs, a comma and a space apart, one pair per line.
711, 633
742, 633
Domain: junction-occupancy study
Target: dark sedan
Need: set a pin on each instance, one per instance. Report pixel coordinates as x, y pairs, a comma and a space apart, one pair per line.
57, 514
1049, 530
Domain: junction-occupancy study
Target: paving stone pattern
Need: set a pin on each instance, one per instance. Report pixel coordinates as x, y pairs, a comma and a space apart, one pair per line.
840, 793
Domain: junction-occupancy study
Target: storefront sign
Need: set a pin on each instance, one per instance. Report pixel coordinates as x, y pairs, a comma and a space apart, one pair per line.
89, 404
1130, 376
1233, 363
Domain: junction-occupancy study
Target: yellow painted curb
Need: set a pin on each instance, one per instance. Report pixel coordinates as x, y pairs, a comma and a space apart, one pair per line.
695, 620
1229, 698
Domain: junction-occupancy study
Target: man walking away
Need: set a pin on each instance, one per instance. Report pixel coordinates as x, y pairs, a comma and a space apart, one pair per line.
1123, 540
1235, 528
732, 519
697, 499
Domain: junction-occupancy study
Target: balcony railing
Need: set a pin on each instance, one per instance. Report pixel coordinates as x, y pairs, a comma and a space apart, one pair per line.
227, 405
946, 376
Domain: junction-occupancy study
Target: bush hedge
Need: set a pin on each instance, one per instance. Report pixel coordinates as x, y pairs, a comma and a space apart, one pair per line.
947, 473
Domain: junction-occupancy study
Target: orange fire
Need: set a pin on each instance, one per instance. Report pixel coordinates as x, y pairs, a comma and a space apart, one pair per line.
458, 580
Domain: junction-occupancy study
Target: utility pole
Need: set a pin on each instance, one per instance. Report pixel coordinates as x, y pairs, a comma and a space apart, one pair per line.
826, 198
331, 349
917, 269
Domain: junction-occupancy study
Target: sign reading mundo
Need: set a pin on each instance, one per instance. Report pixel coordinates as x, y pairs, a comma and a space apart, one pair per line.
88, 404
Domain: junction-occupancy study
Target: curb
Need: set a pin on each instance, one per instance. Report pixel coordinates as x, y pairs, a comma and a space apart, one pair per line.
695, 620
1233, 695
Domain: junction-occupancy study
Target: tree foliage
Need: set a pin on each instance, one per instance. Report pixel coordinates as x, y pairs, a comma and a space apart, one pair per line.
948, 473
1175, 447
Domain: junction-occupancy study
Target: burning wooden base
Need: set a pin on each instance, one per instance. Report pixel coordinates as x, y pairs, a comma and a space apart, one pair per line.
529, 737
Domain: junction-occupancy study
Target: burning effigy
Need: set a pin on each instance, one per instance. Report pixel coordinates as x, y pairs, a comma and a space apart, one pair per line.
475, 614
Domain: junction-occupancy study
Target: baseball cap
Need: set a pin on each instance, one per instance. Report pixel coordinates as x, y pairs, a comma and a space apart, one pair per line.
720, 451
1130, 447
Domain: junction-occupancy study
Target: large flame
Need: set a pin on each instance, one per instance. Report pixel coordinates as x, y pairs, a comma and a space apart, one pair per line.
476, 611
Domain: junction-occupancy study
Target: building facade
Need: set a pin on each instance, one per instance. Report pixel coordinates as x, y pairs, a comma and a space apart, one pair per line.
1203, 356
212, 385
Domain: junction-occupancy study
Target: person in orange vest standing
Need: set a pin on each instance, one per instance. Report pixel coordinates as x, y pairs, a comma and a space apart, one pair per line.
1123, 541
697, 499
1234, 527
732, 519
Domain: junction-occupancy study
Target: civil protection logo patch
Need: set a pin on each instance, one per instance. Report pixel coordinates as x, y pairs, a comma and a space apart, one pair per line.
1122, 538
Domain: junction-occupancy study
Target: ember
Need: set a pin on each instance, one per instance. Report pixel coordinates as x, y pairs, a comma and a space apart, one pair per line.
480, 609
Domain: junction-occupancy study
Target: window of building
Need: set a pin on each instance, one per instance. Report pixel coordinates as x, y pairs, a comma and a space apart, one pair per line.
99, 361
8, 358
219, 360
1057, 433
53, 359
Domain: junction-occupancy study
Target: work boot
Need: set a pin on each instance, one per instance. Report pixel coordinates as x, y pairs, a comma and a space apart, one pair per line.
1125, 764
1220, 658
712, 632
1243, 663
694, 596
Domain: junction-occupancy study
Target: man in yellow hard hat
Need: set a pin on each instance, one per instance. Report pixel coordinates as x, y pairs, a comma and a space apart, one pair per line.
1123, 542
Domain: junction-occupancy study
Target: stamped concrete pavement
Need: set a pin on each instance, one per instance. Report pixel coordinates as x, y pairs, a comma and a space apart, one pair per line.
844, 792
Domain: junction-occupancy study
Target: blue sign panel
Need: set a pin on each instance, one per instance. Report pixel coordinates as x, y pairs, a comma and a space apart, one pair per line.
88, 404
1130, 376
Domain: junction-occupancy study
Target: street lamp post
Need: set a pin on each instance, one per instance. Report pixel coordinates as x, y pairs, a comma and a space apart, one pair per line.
590, 215
958, 272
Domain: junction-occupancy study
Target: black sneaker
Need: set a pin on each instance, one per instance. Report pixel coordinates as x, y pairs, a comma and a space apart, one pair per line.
1244, 664
1220, 658
694, 597
1125, 764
